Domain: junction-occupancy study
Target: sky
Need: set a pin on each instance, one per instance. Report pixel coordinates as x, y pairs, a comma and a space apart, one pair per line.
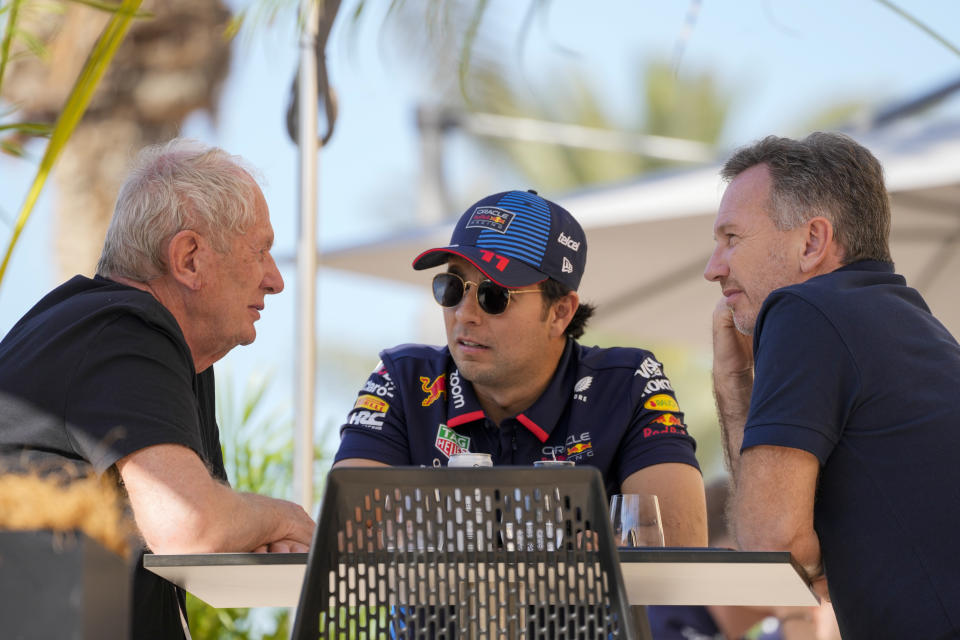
782, 61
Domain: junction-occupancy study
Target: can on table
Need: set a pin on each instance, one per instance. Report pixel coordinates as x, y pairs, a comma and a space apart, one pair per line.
469, 459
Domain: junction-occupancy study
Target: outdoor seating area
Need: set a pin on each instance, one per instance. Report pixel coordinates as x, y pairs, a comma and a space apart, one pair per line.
473, 319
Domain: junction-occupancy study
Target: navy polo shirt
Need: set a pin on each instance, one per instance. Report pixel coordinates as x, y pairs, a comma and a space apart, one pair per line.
613, 409
852, 367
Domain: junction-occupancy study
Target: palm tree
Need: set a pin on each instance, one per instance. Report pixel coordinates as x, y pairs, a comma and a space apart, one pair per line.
474, 65
169, 65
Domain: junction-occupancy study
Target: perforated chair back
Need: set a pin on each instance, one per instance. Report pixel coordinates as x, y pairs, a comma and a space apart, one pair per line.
506, 552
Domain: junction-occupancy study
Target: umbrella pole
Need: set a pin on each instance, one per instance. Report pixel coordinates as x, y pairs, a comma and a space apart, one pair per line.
305, 345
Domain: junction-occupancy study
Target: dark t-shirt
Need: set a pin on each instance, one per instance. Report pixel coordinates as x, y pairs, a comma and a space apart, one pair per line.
93, 372
852, 367
613, 409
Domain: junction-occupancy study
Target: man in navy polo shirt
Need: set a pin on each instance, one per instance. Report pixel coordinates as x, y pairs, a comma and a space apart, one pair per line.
837, 389
514, 382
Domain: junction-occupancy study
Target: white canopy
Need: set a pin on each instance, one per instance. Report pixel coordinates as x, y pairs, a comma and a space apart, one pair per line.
649, 240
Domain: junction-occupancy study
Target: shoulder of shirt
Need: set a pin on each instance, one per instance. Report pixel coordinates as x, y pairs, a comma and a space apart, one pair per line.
824, 286
598, 358
100, 297
429, 355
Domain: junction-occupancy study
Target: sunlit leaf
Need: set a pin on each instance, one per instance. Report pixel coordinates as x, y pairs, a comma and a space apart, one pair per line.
29, 128
235, 25
466, 52
909, 17
13, 149
112, 7
9, 29
76, 105
35, 46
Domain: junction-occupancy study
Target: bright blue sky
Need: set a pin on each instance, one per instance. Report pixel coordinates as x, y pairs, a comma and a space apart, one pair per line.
781, 60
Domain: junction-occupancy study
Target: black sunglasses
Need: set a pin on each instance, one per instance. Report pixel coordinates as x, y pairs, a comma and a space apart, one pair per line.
449, 288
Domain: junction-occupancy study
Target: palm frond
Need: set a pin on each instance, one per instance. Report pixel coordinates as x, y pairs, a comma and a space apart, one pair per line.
76, 105
112, 7
920, 25
9, 30
29, 128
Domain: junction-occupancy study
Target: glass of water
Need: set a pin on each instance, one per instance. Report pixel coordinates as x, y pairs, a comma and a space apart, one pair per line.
635, 520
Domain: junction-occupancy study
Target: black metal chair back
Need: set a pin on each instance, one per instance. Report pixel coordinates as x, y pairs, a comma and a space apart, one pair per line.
506, 552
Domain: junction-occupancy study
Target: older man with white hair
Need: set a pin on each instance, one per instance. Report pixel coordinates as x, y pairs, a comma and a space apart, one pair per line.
114, 373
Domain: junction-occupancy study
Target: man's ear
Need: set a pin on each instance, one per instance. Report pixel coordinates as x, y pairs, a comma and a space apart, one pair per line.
819, 245
561, 313
183, 258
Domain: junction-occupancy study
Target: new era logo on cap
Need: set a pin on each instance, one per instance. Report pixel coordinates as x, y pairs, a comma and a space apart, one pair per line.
528, 237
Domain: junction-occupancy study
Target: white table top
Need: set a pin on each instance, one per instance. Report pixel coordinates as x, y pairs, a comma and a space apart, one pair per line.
651, 576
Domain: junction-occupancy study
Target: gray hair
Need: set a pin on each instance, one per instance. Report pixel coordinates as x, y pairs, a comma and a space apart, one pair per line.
182, 184
829, 175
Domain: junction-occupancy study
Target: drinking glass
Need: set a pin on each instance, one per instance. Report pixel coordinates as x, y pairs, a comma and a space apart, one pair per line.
635, 520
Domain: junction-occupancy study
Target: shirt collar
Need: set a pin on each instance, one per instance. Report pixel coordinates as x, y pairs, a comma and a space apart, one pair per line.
540, 418
868, 265
462, 404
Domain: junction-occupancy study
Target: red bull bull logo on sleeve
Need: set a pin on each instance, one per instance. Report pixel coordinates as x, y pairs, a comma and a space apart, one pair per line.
433, 389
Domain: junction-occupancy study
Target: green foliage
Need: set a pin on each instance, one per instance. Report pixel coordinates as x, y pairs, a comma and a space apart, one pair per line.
207, 623
77, 101
257, 444
687, 106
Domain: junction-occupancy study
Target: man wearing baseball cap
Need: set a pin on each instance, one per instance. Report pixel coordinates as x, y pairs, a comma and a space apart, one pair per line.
514, 382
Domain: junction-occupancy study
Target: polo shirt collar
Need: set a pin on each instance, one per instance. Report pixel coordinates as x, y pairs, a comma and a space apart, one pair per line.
868, 265
540, 418
460, 391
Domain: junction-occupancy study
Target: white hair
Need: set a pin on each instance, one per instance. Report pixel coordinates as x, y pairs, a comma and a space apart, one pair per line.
182, 184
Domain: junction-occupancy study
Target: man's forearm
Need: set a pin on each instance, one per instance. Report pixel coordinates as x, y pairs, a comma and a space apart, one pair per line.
180, 508
249, 521
732, 383
772, 508
732, 392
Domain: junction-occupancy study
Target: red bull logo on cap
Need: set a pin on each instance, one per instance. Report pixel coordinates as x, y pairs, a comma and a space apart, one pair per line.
493, 218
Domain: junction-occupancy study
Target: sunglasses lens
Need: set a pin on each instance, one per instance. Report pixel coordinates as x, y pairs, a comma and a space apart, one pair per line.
492, 298
447, 289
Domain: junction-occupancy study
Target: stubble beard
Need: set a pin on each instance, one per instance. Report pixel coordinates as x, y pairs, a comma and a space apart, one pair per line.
742, 325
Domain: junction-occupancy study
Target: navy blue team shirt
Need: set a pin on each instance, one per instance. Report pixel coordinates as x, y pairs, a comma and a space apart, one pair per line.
852, 367
613, 409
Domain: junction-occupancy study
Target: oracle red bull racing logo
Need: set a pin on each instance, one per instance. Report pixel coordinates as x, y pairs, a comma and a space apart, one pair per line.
579, 446
492, 218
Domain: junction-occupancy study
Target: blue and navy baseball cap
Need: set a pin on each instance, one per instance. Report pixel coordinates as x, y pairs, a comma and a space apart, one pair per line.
517, 239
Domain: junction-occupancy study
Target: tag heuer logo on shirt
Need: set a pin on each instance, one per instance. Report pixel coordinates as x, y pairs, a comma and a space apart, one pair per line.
450, 442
